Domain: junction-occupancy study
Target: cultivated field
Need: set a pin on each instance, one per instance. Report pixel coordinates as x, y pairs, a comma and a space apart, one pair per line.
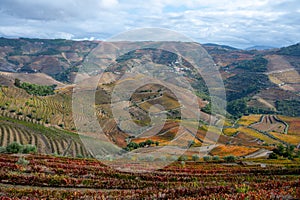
49, 110
294, 124
64, 178
271, 123
266, 130
47, 140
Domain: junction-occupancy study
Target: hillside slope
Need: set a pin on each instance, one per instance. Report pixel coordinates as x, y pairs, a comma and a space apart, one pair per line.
256, 82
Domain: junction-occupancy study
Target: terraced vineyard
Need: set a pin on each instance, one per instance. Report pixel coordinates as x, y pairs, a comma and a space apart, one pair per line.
47, 140
54, 110
64, 178
267, 130
271, 123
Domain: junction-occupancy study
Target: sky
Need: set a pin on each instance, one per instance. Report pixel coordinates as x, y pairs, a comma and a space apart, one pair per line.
239, 23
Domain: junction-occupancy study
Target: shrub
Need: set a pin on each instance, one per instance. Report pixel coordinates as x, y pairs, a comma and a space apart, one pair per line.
149, 142
79, 156
131, 146
206, 158
2, 149
229, 158
14, 147
22, 161
195, 157
29, 149
34, 89
286, 152
149, 158
183, 158
242, 189
216, 158
279, 150
173, 158
273, 156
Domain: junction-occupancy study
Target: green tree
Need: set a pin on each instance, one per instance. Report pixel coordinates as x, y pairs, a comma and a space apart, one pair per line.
237, 108
206, 158
17, 82
216, 158
14, 147
183, 158
195, 157
29, 149
2, 149
230, 158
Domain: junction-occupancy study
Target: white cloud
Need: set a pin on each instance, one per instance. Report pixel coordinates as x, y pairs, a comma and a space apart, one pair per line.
109, 4
239, 23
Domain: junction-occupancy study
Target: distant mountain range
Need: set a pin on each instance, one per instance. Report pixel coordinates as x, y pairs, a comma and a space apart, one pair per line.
260, 47
252, 75
256, 47
219, 46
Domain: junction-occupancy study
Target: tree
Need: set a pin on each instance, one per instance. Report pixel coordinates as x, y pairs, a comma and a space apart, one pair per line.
216, 158
279, 150
230, 158
206, 158
14, 147
29, 149
195, 157
131, 146
273, 156
183, 158
149, 142
237, 108
286, 152
2, 149
17, 82
41, 90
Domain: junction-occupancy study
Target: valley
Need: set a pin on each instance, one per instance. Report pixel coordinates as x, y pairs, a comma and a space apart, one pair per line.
269, 92
133, 129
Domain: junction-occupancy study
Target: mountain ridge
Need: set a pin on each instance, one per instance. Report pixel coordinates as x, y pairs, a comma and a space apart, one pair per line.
259, 85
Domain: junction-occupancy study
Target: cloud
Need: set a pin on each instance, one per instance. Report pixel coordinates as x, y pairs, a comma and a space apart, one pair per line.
239, 23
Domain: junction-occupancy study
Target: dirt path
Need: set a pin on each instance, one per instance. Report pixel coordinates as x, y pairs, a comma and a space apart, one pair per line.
259, 153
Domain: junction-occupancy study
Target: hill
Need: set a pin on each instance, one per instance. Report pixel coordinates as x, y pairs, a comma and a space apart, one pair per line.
219, 46
259, 47
262, 88
57, 58
47, 140
35, 78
